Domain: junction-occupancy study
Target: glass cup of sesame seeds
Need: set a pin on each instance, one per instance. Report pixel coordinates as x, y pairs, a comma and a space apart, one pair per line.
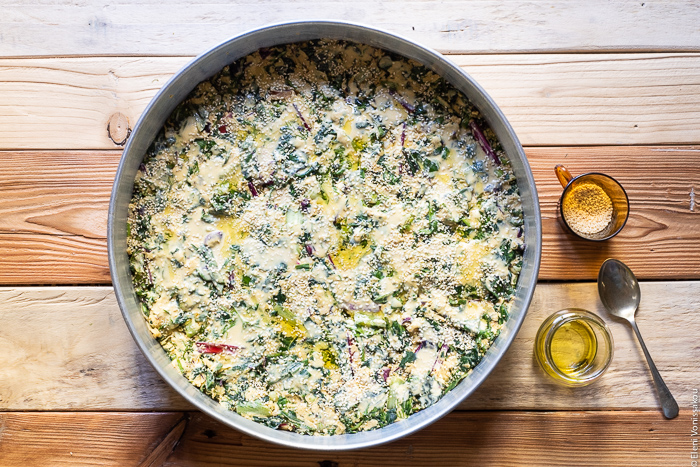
593, 206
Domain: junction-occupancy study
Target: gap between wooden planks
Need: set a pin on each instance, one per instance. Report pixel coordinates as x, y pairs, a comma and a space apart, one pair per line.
550, 99
144, 27
67, 348
459, 439
53, 214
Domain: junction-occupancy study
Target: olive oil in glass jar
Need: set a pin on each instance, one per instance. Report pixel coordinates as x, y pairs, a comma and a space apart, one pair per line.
574, 347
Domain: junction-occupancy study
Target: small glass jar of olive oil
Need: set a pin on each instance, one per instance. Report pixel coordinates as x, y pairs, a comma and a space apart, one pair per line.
574, 347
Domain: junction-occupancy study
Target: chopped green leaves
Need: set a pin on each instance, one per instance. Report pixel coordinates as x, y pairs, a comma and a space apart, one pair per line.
291, 240
255, 409
418, 161
409, 357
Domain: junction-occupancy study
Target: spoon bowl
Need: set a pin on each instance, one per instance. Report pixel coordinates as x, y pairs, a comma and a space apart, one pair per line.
619, 291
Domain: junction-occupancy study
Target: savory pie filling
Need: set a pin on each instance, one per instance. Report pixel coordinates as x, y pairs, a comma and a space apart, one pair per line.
323, 239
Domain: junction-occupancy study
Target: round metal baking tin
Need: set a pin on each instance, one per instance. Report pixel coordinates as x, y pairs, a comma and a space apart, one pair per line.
208, 64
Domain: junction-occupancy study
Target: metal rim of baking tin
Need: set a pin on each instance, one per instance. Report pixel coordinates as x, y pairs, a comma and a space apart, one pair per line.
208, 64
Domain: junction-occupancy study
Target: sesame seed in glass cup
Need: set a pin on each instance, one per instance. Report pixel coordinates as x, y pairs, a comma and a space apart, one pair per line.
593, 206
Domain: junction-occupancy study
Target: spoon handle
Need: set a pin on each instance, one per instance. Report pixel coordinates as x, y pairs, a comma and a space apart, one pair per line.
668, 403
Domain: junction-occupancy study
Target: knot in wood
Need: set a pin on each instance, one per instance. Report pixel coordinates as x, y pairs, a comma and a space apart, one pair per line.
118, 128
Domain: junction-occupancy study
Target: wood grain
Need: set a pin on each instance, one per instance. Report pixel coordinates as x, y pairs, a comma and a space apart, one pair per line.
56, 28
66, 194
465, 439
493, 438
53, 259
67, 348
585, 99
160, 454
66, 103
70, 350
663, 230
71, 439
550, 99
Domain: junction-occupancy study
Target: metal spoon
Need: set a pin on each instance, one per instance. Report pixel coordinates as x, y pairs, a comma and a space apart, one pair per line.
619, 292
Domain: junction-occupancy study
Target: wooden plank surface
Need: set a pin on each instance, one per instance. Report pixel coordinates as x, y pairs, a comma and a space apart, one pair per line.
594, 99
67, 348
460, 439
53, 213
53, 259
662, 236
52, 27
55, 439
57, 193
66, 103
550, 99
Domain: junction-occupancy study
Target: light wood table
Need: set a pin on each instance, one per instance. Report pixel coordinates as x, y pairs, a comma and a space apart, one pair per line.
611, 86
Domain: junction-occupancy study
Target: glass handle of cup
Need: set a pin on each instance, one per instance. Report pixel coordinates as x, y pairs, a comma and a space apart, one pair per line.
563, 174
